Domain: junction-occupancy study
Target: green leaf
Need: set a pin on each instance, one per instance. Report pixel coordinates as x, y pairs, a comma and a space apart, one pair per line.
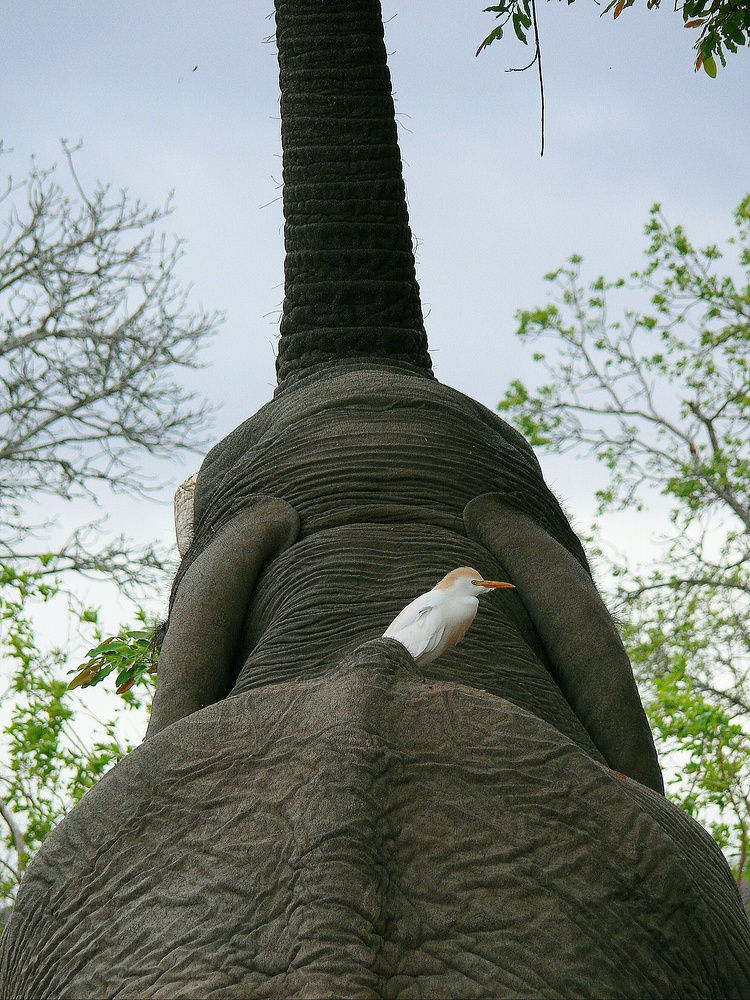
518, 28
734, 31
492, 37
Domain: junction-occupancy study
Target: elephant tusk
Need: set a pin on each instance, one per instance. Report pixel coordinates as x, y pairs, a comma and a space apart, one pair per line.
184, 503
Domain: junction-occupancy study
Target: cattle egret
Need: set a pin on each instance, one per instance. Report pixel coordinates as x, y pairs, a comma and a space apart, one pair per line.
439, 619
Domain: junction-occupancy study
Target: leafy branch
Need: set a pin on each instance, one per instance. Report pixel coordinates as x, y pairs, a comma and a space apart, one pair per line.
133, 654
54, 748
650, 375
522, 15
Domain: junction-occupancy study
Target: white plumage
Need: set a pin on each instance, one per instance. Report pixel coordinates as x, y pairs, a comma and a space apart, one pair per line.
439, 619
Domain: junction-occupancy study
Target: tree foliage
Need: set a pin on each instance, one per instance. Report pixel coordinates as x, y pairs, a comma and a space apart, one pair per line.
651, 376
722, 25
54, 746
132, 655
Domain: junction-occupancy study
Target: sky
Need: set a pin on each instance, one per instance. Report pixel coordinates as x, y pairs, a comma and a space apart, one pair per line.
628, 123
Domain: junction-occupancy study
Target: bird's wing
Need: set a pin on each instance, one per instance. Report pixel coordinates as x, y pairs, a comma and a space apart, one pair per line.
424, 637
413, 612
418, 626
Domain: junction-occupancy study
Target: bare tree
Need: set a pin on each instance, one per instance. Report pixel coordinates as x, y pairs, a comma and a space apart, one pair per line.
94, 327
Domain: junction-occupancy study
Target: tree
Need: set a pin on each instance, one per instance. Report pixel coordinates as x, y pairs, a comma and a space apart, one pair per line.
94, 325
651, 375
54, 746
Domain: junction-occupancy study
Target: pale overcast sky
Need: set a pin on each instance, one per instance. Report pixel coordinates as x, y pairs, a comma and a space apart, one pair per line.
628, 123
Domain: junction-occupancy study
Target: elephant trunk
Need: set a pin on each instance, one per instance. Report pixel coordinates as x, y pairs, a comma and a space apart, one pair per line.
350, 289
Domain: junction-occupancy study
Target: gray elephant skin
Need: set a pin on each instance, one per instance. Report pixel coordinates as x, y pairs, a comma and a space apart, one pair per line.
311, 815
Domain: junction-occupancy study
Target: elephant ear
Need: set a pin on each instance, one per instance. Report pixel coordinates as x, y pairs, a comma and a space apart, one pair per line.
208, 607
586, 654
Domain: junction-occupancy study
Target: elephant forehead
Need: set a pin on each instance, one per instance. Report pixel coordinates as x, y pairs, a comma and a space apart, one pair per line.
375, 387
387, 455
367, 828
371, 467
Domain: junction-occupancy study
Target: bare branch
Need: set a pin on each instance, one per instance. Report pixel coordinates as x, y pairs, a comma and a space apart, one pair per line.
94, 330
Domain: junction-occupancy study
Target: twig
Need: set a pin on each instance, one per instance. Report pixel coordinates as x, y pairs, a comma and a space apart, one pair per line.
538, 60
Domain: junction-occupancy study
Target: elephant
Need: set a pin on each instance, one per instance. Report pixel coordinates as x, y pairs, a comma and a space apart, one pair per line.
310, 813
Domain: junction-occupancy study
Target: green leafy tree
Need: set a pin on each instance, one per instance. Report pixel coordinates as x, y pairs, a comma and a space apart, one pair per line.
54, 746
94, 328
651, 376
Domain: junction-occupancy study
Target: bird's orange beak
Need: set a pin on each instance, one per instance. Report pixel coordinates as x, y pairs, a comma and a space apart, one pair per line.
494, 584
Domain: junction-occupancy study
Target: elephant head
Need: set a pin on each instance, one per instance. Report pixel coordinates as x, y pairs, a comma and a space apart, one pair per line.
311, 814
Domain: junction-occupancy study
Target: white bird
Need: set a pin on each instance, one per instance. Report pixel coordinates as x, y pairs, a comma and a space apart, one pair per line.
439, 619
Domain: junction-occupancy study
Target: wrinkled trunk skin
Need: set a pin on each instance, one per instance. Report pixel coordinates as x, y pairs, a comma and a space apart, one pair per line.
311, 815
